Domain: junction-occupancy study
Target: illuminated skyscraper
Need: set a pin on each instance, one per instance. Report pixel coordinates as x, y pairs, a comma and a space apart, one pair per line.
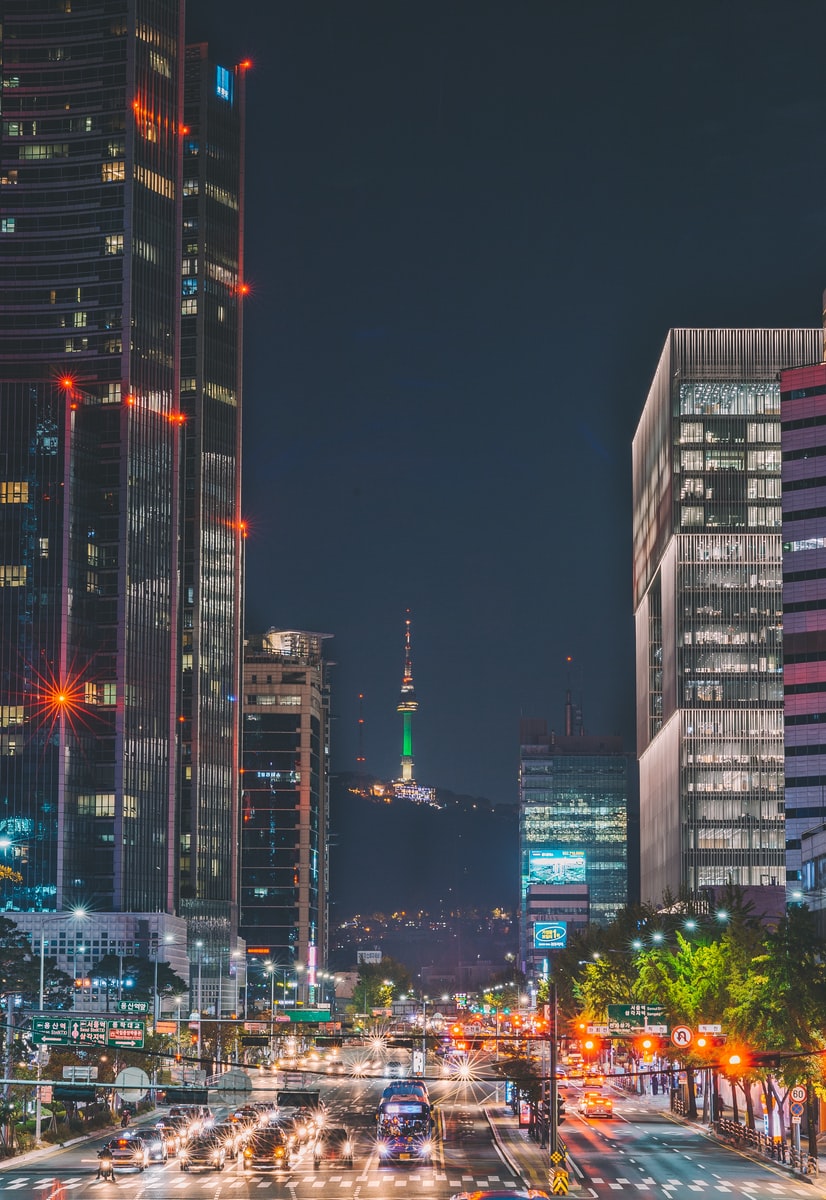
212, 291
709, 610
285, 799
99, 740
803, 413
407, 706
573, 824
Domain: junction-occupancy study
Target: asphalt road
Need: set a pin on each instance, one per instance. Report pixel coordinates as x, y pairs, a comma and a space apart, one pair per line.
644, 1152
640, 1152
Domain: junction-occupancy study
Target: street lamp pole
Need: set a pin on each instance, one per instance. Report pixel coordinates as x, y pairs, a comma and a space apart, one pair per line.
38, 1104
424, 1035
200, 946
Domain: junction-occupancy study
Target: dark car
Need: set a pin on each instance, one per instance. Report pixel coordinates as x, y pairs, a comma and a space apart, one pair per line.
204, 1151
267, 1149
232, 1134
128, 1150
334, 1143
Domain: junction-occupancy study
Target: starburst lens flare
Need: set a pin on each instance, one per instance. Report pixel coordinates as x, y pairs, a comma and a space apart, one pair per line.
56, 700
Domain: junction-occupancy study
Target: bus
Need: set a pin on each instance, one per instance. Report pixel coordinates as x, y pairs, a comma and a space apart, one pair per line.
404, 1128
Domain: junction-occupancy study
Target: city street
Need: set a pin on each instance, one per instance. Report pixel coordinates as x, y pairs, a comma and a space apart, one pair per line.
641, 1151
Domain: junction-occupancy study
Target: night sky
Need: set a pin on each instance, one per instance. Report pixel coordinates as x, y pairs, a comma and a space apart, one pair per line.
469, 227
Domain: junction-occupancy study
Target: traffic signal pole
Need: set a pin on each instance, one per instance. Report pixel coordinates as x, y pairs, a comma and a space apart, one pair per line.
552, 1093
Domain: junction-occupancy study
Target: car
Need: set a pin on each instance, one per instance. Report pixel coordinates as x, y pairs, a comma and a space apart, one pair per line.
266, 1149
334, 1143
206, 1151
171, 1134
232, 1134
394, 1069
129, 1150
156, 1144
335, 1067
595, 1104
500, 1194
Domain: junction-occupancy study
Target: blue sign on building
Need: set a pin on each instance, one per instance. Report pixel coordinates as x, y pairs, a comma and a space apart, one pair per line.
550, 935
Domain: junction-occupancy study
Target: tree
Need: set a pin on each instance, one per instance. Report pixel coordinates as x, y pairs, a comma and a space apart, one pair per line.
20, 971
371, 990
779, 1007
135, 977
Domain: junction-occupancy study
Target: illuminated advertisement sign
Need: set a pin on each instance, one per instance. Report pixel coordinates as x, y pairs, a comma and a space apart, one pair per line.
550, 935
556, 866
223, 84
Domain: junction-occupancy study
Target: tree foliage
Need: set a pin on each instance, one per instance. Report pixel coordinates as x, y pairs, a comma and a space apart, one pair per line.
20, 971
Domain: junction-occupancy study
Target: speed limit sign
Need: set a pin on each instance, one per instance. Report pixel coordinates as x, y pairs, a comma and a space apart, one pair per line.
798, 1093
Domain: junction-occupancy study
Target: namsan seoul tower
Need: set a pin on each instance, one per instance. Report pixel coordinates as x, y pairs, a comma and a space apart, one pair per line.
407, 706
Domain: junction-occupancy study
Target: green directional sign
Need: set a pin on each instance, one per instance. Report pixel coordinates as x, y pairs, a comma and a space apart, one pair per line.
133, 1006
625, 1017
88, 1031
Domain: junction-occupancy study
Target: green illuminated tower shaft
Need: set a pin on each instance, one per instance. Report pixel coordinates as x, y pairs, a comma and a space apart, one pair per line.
407, 706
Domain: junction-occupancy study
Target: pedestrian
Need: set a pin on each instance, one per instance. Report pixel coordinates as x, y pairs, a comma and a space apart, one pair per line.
655, 1084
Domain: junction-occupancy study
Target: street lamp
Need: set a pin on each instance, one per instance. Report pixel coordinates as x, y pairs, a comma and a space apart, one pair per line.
167, 938
78, 913
200, 948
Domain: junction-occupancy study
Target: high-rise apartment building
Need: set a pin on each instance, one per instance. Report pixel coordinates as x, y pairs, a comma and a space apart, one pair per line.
97, 452
285, 800
573, 812
709, 609
803, 416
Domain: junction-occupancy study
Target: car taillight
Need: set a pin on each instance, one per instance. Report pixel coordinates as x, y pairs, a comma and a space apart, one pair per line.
279, 1151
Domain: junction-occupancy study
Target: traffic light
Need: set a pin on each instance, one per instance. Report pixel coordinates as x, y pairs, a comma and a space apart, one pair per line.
736, 1061
560, 1110
644, 1047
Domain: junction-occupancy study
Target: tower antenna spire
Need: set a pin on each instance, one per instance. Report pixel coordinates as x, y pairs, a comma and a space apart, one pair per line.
361, 759
407, 705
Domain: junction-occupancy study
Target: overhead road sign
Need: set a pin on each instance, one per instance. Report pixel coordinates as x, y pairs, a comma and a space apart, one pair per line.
133, 1006
88, 1031
627, 1018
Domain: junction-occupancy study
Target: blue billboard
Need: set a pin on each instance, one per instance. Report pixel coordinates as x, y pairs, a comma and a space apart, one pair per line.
550, 935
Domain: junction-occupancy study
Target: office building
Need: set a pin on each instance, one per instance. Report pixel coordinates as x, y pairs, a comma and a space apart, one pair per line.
212, 289
708, 610
96, 455
573, 802
285, 803
803, 414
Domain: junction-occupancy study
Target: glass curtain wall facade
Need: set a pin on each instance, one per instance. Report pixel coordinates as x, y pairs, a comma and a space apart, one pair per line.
803, 412
708, 610
90, 187
211, 296
285, 799
573, 819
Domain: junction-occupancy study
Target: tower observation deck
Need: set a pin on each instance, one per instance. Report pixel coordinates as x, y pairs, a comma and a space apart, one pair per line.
407, 706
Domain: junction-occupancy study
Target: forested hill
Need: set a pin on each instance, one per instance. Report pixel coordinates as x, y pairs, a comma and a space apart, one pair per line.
399, 855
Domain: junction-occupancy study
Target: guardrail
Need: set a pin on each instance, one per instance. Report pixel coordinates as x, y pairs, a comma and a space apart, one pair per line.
776, 1149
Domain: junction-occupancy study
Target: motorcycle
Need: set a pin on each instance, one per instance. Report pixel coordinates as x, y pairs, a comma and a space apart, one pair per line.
106, 1168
